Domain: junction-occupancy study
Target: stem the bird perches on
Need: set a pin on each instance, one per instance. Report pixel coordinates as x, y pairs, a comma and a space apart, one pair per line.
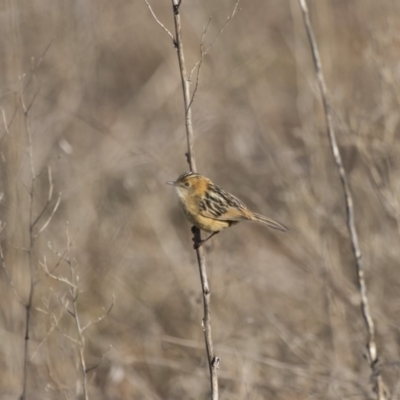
373, 359
185, 85
213, 361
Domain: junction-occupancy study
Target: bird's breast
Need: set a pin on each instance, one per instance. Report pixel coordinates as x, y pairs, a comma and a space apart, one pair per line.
192, 209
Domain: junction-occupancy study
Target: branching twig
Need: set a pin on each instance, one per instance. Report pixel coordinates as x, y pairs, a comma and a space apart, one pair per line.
100, 361
74, 295
32, 238
53, 326
55, 277
373, 359
28, 304
203, 53
69, 337
50, 217
159, 22
213, 360
30, 188
50, 196
7, 125
99, 319
61, 257
28, 108
70, 305
185, 84
35, 67
198, 64
7, 132
10, 281
208, 48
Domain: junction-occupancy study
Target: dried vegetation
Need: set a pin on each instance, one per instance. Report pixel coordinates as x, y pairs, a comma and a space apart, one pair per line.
107, 118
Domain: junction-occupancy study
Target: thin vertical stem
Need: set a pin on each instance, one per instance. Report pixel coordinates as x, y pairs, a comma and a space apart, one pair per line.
379, 386
185, 85
74, 294
213, 361
28, 304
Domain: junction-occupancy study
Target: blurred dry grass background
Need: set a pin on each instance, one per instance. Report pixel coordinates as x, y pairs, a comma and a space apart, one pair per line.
108, 120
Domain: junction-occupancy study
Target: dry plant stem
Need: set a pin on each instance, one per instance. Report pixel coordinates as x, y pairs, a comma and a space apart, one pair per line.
74, 295
188, 100
379, 386
213, 361
10, 281
208, 48
158, 21
28, 304
32, 236
185, 84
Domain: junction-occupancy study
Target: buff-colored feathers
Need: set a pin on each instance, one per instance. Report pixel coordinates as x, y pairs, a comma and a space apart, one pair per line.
212, 209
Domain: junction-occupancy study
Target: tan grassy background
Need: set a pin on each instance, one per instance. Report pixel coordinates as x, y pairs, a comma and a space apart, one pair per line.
108, 119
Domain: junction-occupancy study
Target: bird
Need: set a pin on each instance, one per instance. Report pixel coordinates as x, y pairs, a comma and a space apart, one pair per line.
212, 209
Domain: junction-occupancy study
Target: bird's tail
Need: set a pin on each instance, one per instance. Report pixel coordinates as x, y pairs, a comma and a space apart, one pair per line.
271, 223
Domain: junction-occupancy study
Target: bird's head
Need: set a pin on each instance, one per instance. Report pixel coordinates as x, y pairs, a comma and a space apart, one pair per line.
190, 183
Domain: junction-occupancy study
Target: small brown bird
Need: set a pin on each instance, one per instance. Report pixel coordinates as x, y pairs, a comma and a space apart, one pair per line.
210, 208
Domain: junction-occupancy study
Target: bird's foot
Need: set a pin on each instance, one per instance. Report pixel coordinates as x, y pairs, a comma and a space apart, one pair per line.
197, 245
196, 236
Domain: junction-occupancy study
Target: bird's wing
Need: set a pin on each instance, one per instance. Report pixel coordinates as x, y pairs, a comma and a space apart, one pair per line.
223, 206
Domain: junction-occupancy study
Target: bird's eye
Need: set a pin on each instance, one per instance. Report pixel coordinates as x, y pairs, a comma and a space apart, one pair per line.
187, 184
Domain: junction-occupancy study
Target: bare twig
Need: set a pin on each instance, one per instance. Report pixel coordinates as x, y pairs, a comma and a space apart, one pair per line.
100, 361
63, 302
198, 64
22, 91
7, 126
50, 196
101, 317
70, 305
213, 360
373, 360
35, 67
209, 47
45, 225
10, 282
2, 224
159, 22
28, 108
5, 122
185, 84
28, 304
31, 192
53, 326
41, 58
69, 337
6, 134
61, 257
74, 295
55, 277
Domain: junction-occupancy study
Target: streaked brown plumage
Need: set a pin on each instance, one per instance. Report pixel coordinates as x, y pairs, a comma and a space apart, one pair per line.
210, 208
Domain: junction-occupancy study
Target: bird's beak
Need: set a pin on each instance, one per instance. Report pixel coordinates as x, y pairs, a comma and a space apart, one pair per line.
173, 183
